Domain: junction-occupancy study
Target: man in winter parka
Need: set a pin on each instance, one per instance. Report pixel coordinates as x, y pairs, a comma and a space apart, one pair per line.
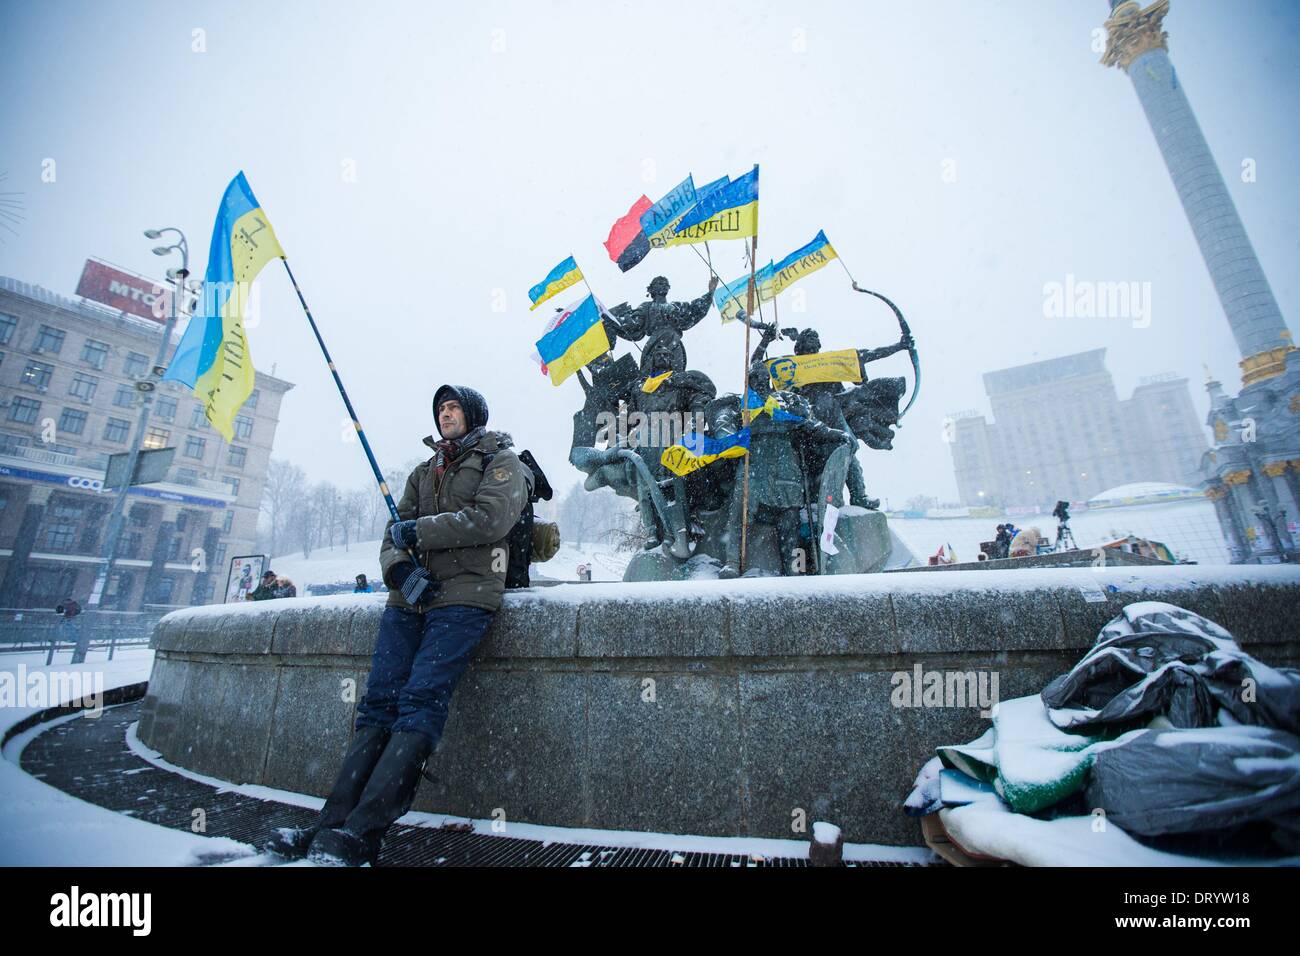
456, 512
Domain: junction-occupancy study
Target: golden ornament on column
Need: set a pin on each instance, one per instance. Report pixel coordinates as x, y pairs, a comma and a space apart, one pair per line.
1132, 31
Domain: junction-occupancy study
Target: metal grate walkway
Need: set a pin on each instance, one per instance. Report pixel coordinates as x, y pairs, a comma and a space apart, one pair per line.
89, 760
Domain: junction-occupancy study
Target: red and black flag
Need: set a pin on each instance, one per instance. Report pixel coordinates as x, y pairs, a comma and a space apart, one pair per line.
627, 243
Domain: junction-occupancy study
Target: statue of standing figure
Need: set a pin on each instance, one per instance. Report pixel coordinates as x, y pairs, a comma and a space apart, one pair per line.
661, 316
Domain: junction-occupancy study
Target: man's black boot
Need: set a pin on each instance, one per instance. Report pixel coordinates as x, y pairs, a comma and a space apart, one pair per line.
387, 796
363, 755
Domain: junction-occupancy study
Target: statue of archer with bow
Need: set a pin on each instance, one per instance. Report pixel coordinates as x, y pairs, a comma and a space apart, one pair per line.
869, 410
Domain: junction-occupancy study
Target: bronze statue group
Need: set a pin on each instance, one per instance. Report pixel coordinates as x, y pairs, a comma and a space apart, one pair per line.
801, 443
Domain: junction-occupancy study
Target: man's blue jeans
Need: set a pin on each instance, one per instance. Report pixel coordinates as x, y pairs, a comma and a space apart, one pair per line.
419, 657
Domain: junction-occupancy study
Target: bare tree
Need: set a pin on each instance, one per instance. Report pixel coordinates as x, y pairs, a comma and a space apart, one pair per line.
286, 484
325, 501
355, 511
572, 515
590, 516
300, 525
626, 533
376, 515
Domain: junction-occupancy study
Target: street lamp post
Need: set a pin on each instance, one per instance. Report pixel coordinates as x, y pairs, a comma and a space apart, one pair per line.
146, 387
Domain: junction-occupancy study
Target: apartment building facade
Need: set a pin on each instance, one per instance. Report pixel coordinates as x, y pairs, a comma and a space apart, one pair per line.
69, 370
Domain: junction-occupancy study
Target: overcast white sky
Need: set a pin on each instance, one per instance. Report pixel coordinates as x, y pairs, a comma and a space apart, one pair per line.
491, 140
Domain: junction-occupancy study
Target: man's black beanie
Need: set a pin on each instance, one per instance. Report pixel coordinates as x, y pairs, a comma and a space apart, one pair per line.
473, 403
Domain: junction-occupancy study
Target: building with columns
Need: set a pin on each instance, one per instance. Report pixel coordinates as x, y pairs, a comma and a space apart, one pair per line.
1251, 472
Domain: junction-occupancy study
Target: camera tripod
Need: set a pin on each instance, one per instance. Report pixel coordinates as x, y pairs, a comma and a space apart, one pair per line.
1065, 538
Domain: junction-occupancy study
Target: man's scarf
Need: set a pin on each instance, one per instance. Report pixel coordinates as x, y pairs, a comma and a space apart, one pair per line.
452, 449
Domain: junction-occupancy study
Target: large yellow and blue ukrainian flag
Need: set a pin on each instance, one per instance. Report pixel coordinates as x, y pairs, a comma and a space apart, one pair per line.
557, 280
729, 213
212, 357
669, 236
573, 343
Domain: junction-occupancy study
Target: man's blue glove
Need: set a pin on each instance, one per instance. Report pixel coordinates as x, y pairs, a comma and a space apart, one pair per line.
414, 583
403, 534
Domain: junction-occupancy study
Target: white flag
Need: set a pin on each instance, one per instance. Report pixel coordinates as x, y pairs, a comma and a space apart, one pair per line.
828, 529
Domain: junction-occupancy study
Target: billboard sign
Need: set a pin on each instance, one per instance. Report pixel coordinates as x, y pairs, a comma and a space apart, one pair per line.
123, 291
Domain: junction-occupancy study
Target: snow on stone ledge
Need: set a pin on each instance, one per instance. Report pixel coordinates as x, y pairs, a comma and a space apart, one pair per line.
938, 583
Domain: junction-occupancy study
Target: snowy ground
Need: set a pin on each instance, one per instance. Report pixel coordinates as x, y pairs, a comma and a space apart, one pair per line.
42, 826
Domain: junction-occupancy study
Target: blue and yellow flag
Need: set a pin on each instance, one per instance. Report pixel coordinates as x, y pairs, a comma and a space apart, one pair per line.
212, 357
775, 278
729, 213
695, 451
575, 342
733, 298
773, 406
669, 236
802, 262
557, 280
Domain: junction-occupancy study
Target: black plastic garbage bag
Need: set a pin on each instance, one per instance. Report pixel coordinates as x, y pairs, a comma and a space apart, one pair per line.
1158, 659
1167, 782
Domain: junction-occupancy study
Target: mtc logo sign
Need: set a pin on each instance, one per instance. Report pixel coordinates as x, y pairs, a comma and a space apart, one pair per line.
122, 291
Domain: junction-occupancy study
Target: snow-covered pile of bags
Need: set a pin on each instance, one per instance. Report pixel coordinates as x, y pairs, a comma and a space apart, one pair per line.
1166, 731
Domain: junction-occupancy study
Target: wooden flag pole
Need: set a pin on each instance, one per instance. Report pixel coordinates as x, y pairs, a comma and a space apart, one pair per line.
744, 406
585, 282
748, 318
